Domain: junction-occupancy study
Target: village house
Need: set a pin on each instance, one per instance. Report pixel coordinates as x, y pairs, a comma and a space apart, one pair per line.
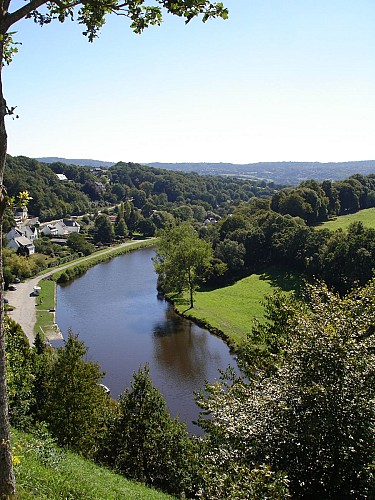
49, 230
72, 225
20, 214
23, 245
62, 177
61, 228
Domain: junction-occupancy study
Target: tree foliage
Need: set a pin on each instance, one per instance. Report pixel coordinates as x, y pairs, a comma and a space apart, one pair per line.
144, 442
181, 259
75, 405
103, 231
313, 415
19, 375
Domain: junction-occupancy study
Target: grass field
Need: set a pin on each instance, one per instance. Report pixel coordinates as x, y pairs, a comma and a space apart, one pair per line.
45, 319
44, 472
367, 217
233, 309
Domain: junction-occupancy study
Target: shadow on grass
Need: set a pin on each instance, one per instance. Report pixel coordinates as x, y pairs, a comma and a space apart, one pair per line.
180, 302
283, 278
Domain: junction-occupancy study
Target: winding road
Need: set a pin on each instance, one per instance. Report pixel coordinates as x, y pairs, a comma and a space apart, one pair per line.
23, 300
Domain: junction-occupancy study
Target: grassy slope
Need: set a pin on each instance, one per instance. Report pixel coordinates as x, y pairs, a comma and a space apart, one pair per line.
367, 217
232, 309
69, 476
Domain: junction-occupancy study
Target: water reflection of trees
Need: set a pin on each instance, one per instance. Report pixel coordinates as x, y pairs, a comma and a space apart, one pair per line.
183, 349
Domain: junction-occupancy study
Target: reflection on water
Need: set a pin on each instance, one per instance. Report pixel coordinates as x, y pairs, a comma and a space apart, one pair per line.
116, 311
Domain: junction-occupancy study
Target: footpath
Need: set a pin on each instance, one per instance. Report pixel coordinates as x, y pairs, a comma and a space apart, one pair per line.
24, 301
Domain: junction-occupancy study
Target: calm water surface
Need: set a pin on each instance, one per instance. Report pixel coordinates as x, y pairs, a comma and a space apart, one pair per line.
115, 310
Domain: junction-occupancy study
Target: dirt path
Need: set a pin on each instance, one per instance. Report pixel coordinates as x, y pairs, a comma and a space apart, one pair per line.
24, 301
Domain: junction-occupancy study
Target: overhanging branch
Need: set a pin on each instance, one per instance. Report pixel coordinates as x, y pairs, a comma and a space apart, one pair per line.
11, 18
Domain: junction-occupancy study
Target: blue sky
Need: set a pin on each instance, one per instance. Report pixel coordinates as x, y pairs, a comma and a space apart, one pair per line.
281, 80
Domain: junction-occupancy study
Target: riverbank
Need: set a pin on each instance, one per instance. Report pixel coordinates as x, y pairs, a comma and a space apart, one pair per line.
26, 306
230, 311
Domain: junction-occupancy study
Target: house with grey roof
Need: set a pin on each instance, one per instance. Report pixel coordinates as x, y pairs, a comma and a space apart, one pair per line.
23, 245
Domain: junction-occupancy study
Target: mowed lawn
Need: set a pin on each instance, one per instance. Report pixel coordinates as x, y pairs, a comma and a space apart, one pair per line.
233, 309
367, 217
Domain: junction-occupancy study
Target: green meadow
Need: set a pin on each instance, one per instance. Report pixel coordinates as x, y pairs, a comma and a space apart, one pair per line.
232, 309
367, 217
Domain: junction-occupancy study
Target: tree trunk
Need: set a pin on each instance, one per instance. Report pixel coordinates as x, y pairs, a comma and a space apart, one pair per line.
191, 289
7, 479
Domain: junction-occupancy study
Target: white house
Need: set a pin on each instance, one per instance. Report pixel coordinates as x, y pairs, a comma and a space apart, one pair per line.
22, 244
23, 230
62, 177
28, 231
13, 233
61, 228
72, 225
49, 230
20, 214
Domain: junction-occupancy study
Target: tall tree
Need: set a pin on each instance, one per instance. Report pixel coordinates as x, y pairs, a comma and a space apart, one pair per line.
144, 442
181, 259
103, 230
91, 14
75, 402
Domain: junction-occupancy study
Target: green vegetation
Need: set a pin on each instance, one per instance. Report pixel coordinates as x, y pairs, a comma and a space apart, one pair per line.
309, 365
305, 364
365, 217
305, 407
139, 187
45, 472
144, 443
231, 310
181, 258
45, 306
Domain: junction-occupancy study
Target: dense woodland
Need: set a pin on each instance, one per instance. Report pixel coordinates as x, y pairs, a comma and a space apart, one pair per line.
87, 189
285, 172
249, 225
312, 365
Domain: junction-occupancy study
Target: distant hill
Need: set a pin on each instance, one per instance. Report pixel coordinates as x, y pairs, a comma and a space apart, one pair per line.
278, 172
82, 162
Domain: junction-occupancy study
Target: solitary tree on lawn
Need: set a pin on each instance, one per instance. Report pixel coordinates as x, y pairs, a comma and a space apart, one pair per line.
91, 14
181, 259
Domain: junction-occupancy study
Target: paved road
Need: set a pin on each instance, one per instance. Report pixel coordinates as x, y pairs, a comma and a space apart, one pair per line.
24, 301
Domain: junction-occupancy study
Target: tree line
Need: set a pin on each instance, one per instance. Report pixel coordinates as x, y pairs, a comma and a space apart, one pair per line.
149, 191
148, 188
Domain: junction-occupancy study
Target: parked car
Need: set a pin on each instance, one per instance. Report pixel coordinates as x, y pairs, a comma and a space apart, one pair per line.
12, 288
5, 300
16, 280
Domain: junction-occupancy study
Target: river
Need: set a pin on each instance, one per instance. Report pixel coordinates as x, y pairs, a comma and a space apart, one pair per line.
115, 309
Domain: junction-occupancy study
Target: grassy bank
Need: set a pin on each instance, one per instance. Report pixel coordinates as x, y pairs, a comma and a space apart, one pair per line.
45, 472
367, 217
230, 311
45, 307
47, 299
